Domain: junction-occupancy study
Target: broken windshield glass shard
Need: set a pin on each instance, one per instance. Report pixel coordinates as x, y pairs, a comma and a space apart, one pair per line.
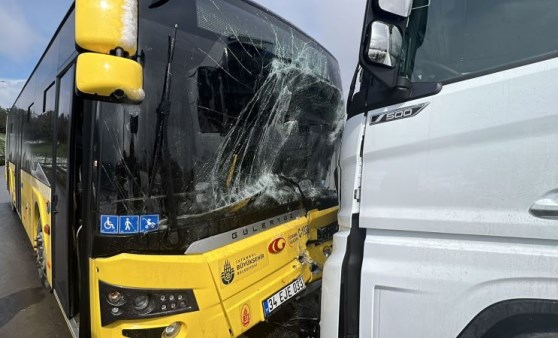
274, 128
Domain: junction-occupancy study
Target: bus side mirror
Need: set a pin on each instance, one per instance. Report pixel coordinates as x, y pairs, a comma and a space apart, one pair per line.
107, 37
400, 8
109, 78
385, 44
104, 26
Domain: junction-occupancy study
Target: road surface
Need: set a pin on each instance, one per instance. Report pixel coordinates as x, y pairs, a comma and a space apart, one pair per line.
26, 308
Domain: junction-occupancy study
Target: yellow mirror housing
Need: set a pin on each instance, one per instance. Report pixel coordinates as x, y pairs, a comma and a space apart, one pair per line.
105, 25
109, 77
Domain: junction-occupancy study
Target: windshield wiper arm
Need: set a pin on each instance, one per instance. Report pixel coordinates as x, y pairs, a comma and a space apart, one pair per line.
305, 201
161, 152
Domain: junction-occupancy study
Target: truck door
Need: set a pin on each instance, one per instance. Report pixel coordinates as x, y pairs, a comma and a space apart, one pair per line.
458, 170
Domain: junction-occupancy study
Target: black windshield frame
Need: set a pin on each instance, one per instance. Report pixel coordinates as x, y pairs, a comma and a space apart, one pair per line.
125, 151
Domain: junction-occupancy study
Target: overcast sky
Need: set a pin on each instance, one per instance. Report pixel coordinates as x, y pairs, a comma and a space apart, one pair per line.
26, 27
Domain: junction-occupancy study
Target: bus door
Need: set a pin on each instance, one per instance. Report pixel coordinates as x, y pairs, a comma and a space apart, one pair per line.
64, 270
19, 159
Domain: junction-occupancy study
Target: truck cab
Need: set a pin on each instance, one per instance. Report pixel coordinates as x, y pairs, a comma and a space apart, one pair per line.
448, 184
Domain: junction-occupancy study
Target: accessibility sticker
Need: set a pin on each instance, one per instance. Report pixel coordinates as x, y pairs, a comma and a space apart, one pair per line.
128, 224
109, 224
149, 223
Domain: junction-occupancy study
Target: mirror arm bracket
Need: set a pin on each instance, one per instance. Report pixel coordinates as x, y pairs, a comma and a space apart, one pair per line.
362, 103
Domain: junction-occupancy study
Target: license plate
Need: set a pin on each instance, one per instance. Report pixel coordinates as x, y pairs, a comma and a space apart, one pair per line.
283, 295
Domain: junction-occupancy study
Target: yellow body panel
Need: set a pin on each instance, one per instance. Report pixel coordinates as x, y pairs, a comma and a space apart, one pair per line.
105, 75
35, 200
104, 25
26, 205
41, 201
258, 274
164, 272
11, 182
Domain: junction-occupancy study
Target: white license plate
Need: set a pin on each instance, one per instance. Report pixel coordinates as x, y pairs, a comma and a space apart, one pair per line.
283, 295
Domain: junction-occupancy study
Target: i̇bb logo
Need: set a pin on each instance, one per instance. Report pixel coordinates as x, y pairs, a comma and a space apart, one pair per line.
245, 315
277, 245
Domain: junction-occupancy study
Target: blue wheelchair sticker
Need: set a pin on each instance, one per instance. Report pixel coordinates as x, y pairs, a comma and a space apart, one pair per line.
109, 224
128, 224
149, 223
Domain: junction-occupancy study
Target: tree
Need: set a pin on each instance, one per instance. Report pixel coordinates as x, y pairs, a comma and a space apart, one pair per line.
3, 115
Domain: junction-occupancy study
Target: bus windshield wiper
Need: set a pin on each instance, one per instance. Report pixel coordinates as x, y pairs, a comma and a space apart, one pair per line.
161, 159
303, 199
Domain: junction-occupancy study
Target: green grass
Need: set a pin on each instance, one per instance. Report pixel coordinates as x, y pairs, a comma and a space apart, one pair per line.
41, 149
2, 146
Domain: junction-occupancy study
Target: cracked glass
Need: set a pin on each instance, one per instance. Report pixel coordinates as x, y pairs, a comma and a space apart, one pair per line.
241, 122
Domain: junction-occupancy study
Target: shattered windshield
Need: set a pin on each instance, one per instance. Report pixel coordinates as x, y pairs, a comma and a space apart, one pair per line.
240, 123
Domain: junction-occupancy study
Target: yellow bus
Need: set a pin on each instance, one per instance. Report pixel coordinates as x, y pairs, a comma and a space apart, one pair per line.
172, 163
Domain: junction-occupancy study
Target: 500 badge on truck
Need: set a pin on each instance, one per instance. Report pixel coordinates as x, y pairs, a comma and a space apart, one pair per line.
398, 114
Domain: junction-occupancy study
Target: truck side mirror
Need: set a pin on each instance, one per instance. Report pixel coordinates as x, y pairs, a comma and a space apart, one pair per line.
107, 35
109, 78
385, 44
398, 7
392, 33
382, 43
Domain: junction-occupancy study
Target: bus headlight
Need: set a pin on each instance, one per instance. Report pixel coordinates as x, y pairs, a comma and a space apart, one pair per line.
115, 298
141, 302
172, 330
118, 303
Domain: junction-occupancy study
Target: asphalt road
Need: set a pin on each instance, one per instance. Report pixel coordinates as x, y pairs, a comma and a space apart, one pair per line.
26, 308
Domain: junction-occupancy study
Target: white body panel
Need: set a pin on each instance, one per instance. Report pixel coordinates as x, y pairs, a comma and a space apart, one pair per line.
350, 171
350, 164
331, 287
445, 201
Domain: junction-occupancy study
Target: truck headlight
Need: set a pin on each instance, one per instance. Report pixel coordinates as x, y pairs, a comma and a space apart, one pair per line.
118, 303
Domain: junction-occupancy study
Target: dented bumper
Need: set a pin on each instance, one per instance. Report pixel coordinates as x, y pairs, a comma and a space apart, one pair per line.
229, 284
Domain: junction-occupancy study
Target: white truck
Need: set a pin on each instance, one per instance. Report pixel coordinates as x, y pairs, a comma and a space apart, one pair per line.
449, 175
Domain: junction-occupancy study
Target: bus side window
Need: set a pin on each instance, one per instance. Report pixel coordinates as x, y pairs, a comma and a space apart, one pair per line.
10, 140
25, 146
41, 136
